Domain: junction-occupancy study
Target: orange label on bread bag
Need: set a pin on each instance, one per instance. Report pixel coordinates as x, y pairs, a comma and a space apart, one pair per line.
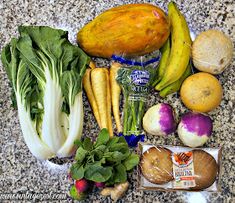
183, 170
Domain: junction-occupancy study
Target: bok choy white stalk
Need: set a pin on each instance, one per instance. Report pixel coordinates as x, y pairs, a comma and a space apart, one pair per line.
23, 84
46, 73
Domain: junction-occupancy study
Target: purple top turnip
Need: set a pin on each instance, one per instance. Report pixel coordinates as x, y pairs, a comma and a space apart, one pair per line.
195, 129
159, 120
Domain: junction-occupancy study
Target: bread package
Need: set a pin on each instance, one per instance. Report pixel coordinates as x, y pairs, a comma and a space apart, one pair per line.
179, 168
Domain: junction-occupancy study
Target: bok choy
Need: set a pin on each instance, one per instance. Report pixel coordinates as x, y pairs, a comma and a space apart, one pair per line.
46, 72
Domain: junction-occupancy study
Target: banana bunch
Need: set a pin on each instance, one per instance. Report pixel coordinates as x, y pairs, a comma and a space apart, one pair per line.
174, 66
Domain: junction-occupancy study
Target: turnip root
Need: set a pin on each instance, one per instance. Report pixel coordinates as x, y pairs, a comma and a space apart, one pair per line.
194, 129
159, 120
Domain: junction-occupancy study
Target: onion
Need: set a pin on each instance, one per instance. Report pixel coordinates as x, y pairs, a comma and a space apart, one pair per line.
159, 120
194, 129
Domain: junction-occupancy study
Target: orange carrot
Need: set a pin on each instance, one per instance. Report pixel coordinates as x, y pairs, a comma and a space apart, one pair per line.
109, 117
99, 88
115, 94
90, 95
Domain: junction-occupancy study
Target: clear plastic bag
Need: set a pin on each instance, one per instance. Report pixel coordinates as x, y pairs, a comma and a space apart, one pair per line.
136, 80
170, 168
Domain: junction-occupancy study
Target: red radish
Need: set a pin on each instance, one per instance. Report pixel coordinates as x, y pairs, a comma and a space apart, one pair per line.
81, 185
99, 185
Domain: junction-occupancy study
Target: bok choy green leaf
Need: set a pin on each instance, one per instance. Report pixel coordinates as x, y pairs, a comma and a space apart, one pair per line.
46, 72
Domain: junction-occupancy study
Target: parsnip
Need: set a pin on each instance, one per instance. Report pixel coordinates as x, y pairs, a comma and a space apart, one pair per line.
91, 98
99, 85
110, 126
115, 94
92, 64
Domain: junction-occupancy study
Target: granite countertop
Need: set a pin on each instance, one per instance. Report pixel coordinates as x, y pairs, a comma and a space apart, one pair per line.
21, 173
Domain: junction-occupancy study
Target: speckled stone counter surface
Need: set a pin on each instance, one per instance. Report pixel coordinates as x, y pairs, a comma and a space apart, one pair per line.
21, 173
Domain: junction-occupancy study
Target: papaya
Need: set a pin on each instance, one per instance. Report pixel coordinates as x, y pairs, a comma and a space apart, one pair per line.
129, 30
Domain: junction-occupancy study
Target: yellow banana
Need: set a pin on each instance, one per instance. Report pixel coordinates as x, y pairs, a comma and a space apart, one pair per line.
175, 86
165, 51
180, 50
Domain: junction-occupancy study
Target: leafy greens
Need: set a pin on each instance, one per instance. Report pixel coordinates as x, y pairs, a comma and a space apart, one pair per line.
107, 160
46, 72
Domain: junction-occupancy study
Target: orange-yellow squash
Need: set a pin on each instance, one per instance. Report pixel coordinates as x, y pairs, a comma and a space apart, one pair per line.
130, 30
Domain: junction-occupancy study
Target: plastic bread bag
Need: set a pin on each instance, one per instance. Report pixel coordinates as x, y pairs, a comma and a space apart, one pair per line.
170, 168
135, 77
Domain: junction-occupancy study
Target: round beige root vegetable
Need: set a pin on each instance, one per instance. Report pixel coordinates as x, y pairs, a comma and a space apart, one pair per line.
212, 51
